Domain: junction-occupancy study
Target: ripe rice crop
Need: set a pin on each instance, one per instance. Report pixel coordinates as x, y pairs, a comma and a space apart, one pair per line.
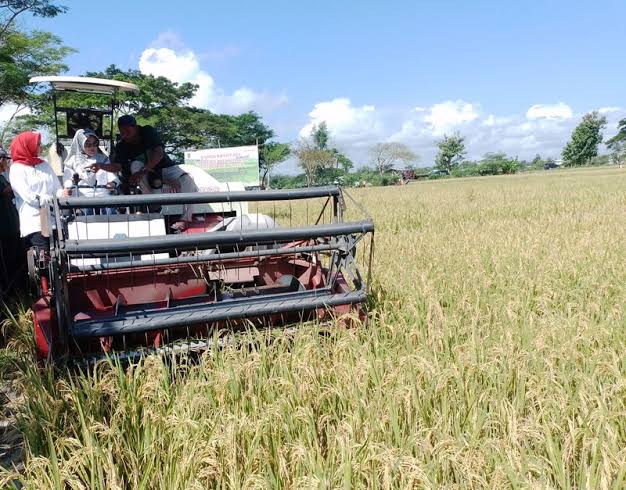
495, 357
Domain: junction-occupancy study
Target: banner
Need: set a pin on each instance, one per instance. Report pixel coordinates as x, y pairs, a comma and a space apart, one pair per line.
238, 164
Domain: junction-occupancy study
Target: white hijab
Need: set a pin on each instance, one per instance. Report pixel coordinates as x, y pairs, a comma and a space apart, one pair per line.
78, 162
77, 153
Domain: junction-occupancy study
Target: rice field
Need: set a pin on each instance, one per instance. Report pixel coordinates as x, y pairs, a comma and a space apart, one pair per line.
494, 358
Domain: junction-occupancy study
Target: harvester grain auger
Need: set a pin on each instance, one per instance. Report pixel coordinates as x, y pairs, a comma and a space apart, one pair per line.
121, 285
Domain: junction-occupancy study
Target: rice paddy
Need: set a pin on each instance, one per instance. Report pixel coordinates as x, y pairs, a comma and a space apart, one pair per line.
494, 358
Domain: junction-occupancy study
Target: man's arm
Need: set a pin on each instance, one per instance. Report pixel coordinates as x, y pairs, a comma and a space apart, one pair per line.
109, 167
155, 155
120, 156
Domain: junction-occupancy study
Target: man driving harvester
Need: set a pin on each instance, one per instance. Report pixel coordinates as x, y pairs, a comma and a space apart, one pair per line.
141, 158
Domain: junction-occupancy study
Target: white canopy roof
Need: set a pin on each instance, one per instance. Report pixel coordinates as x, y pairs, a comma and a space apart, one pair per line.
87, 84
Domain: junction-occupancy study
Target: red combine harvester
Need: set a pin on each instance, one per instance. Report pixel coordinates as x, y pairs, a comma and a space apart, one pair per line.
122, 285
139, 289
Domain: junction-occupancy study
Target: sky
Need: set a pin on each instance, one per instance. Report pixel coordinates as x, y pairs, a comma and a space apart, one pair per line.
509, 76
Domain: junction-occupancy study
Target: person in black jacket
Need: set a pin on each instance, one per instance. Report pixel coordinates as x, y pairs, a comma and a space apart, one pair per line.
12, 254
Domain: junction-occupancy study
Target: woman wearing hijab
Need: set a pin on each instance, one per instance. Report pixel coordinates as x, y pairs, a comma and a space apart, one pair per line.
82, 156
12, 263
34, 183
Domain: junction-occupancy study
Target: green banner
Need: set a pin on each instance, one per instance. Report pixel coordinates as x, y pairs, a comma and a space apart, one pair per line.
237, 164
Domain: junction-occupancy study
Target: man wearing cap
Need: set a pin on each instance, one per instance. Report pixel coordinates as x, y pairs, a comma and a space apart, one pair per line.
141, 158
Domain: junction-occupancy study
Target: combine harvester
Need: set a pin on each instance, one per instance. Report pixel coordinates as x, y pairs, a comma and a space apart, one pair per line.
122, 285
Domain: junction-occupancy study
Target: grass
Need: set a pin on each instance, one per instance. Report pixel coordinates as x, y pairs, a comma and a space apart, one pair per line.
494, 358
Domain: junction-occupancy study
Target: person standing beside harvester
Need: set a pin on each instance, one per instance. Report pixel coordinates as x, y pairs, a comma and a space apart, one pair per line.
12, 263
35, 184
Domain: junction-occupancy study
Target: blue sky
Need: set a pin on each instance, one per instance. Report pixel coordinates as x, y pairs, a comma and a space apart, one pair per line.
510, 76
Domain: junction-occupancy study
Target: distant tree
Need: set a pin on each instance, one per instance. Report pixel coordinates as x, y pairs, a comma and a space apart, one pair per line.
451, 152
617, 156
343, 162
497, 163
320, 136
385, 155
312, 159
617, 144
585, 140
537, 161
271, 154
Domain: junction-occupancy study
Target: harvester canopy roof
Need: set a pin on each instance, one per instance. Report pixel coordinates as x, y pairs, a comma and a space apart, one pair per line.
87, 84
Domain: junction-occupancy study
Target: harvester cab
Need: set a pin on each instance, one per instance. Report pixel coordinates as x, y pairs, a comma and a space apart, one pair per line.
99, 118
119, 284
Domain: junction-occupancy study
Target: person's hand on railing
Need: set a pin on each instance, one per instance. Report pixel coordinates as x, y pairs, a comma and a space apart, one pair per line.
137, 176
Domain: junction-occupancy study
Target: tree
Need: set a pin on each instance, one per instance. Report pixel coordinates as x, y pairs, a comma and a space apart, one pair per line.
164, 105
537, 162
497, 163
585, 140
10, 9
312, 159
320, 136
617, 144
271, 154
618, 152
386, 155
451, 152
22, 56
343, 161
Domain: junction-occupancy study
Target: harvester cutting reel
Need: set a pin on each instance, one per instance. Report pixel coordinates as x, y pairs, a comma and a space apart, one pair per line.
119, 284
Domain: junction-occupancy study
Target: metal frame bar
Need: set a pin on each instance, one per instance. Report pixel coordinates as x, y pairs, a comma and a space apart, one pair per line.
96, 248
56, 119
197, 198
134, 320
192, 259
102, 112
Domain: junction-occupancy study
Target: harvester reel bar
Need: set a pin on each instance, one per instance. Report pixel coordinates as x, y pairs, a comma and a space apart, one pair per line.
134, 320
109, 247
197, 198
202, 258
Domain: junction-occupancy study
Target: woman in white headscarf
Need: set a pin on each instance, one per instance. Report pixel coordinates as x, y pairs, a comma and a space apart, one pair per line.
77, 169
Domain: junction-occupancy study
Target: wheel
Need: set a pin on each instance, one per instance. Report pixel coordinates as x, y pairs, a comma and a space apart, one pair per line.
34, 272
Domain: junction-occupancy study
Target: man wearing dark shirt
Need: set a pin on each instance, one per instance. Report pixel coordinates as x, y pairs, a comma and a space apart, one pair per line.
141, 158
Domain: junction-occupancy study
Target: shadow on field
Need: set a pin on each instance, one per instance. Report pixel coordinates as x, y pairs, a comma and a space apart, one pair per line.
380, 298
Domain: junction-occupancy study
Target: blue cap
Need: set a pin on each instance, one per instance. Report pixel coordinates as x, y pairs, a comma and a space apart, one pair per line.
126, 120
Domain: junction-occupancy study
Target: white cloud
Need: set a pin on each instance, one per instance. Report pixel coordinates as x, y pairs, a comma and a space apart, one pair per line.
550, 111
183, 66
492, 120
449, 115
423, 127
543, 129
346, 123
608, 110
168, 39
